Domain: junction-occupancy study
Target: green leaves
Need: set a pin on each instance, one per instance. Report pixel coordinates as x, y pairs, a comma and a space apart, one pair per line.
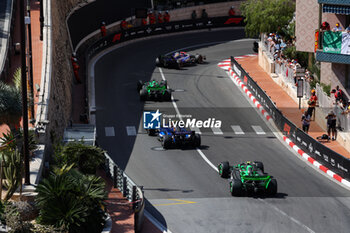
10, 105
266, 15
69, 199
86, 158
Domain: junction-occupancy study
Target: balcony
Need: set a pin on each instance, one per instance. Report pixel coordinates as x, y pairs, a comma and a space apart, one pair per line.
332, 47
334, 2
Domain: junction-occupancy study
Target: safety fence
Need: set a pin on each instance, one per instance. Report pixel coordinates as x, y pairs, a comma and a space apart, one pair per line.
128, 188
326, 103
157, 29
325, 156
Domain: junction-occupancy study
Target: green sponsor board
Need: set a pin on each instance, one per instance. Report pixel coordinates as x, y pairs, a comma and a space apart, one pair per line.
332, 42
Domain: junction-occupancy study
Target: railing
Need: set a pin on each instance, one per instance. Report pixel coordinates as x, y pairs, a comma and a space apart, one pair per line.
124, 183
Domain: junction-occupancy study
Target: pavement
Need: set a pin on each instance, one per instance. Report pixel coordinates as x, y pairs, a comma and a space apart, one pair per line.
284, 102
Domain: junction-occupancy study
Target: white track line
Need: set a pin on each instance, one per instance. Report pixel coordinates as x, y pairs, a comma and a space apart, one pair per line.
217, 131
237, 129
258, 129
200, 152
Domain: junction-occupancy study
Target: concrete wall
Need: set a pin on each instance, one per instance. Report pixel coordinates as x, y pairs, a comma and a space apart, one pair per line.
60, 105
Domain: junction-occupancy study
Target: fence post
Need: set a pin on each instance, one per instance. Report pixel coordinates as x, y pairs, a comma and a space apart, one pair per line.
125, 186
107, 167
134, 197
115, 176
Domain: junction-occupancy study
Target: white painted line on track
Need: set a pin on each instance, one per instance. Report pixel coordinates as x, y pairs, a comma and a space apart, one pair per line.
286, 215
156, 223
131, 130
109, 131
237, 129
197, 130
258, 129
206, 159
216, 131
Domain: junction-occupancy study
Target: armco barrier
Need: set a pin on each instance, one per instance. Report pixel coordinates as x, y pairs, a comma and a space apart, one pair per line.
157, 29
325, 156
128, 188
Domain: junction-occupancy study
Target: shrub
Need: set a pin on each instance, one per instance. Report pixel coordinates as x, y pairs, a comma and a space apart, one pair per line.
86, 158
72, 200
326, 88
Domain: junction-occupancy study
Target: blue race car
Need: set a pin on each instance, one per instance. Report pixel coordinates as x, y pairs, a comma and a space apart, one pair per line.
179, 59
176, 137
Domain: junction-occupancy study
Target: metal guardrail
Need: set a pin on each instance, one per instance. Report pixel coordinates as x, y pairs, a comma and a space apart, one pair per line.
125, 184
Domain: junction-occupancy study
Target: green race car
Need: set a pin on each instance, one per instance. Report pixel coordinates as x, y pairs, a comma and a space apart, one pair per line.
154, 90
248, 177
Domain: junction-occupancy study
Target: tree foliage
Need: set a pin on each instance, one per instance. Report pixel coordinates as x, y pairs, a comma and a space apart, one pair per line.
266, 15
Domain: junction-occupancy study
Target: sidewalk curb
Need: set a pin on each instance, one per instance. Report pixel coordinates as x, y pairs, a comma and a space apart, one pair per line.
226, 65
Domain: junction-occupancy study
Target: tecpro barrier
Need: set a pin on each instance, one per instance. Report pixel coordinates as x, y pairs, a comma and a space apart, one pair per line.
325, 156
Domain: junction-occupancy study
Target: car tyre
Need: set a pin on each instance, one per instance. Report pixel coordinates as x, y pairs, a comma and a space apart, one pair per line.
197, 140
139, 85
224, 169
158, 63
272, 188
143, 94
167, 95
151, 132
166, 143
236, 187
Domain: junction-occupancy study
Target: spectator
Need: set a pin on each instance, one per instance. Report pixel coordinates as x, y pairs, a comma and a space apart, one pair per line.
151, 18
283, 45
160, 17
231, 12
103, 29
337, 28
312, 102
295, 65
331, 125
204, 14
305, 120
123, 25
325, 26
144, 22
338, 94
76, 68
194, 15
348, 29
166, 17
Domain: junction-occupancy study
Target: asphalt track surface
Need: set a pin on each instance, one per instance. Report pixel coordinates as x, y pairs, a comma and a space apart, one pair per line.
184, 193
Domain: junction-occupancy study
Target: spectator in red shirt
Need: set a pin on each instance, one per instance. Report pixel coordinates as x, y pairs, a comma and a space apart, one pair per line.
231, 12
325, 26
312, 102
166, 17
151, 18
338, 94
103, 29
144, 22
160, 17
123, 25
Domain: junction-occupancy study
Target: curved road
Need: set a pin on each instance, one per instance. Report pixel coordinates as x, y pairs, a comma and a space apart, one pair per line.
184, 192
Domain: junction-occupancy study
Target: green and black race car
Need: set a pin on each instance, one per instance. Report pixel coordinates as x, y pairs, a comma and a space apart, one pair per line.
248, 177
154, 90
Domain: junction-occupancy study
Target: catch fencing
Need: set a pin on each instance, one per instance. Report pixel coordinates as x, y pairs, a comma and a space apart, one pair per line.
325, 156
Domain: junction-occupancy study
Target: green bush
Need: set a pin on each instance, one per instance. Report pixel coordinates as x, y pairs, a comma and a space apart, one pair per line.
326, 88
313, 83
86, 158
72, 200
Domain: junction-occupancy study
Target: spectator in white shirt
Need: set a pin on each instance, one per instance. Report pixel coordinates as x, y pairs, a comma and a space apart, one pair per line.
337, 28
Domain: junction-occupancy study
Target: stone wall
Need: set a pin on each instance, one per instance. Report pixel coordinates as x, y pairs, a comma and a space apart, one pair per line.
62, 79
